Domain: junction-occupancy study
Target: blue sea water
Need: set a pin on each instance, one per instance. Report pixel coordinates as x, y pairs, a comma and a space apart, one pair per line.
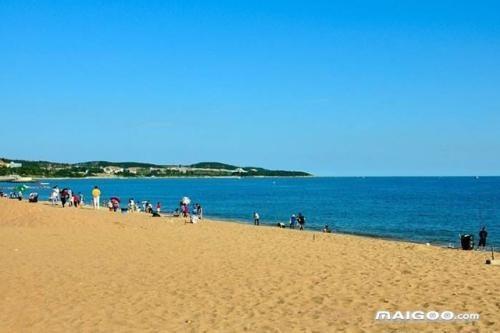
420, 209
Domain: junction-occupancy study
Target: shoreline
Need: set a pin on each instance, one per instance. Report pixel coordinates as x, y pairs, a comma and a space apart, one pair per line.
220, 219
162, 274
444, 245
344, 233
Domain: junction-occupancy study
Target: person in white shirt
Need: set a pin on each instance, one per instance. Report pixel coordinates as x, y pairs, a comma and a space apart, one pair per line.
54, 197
256, 218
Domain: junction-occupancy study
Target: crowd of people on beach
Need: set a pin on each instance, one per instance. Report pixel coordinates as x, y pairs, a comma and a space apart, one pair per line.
68, 198
295, 220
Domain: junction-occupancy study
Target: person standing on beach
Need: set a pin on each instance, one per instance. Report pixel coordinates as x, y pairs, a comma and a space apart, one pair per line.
82, 202
199, 211
64, 197
158, 207
482, 238
96, 195
54, 197
293, 221
301, 220
256, 218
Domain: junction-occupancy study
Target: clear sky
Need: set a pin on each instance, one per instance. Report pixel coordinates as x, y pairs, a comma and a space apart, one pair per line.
334, 88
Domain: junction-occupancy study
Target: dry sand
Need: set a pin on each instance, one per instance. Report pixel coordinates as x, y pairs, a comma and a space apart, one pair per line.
78, 270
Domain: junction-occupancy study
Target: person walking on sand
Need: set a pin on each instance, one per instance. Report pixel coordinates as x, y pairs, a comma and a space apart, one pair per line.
158, 207
96, 195
256, 218
482, 238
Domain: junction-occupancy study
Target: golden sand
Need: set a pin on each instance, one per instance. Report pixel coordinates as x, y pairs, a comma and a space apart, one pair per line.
79, 270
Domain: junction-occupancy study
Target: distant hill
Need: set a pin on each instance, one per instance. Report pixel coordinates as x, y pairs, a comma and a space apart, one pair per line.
119, 164
213, 165
48, 169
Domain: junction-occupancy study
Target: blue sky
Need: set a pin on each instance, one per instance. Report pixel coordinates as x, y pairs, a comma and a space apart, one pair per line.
334, 88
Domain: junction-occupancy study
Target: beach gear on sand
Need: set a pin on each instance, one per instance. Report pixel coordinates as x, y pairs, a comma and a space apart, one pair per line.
467, 242
33, 197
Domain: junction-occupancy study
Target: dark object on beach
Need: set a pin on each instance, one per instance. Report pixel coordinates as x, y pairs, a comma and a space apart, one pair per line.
124, 210
327, 229
280, 225
492, 260
33, 197
467, 242
64, 196
155, 214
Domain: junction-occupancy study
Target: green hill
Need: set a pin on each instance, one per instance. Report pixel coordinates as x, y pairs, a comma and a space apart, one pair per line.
48, 169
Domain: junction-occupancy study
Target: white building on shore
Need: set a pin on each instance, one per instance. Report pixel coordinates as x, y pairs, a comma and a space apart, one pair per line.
14, 165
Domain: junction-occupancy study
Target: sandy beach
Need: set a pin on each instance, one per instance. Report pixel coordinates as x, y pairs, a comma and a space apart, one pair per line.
79, 270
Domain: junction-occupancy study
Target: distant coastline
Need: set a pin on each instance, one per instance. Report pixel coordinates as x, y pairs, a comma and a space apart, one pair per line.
103, 169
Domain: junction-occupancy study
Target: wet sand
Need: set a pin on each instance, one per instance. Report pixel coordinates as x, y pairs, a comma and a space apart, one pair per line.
67, 270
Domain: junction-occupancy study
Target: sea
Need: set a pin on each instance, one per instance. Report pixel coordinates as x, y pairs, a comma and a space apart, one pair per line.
433, 210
